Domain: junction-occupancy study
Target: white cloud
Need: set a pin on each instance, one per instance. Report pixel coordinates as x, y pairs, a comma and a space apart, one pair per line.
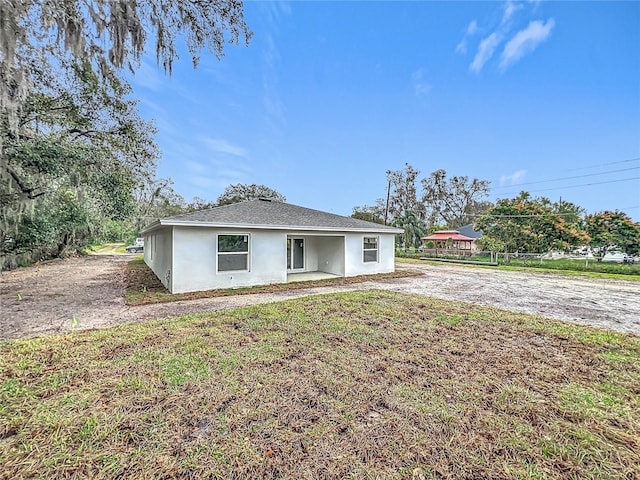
472, 28
148, 76
215, 173
509, 9
520, 44
420, 85
159, 116
274, 108
485, 52
222, 146
273, 11
196, 167
270, 55
205, 182
514, 178
231, 174
525, 41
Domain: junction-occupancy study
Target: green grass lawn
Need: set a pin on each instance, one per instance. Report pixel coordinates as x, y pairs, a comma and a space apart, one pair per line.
577, 265
353, 385
107, 248
560, 267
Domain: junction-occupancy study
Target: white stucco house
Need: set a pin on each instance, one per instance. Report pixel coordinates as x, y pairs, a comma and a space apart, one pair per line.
260, 242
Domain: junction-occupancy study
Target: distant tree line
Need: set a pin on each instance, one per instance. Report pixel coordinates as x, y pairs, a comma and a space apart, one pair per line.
39, 233
537, 225
520, 224
420, 206
159, 200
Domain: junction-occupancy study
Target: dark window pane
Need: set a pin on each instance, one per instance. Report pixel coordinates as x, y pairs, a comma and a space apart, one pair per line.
228, 263
370, 255
233, 243
298, 253
370, 242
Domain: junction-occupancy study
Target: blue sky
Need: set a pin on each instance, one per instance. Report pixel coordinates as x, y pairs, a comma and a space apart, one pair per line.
536, 96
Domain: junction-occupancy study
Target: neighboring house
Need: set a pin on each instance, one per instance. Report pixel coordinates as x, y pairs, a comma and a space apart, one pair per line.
260, 242
450, 239
468, 231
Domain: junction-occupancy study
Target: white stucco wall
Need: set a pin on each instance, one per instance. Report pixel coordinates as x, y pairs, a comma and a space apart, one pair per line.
158, 253
185, 258
195, 259
310, 253
331, 254
354, 263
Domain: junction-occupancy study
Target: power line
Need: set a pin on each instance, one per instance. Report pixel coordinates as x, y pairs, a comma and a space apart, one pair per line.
575, 186
571, 178
538, 215
603, 164
535, 215
532, 215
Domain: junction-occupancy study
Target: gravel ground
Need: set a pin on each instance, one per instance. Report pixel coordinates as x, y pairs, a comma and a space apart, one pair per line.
87, 292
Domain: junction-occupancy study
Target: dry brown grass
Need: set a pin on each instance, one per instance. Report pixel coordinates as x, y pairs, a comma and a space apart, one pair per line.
143, 287
353, 385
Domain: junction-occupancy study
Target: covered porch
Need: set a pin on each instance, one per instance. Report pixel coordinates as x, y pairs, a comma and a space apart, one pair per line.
314, 257
450, 240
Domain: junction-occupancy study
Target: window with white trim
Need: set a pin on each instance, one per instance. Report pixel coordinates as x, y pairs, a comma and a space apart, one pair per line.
370, 249
233, 253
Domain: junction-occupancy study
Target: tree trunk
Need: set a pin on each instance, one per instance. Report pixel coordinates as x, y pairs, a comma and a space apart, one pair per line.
63, 245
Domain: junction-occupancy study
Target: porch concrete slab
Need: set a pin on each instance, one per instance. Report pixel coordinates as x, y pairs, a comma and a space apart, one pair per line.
304, 276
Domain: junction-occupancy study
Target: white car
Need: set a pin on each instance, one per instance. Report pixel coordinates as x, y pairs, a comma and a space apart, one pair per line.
618, 257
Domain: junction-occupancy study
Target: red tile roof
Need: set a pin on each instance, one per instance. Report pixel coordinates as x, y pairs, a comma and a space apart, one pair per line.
448, 234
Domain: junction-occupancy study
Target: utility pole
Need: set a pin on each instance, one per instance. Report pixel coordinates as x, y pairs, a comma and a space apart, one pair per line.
386, 212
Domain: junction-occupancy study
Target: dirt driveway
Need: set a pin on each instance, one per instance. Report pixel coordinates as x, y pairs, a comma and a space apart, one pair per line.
87, 292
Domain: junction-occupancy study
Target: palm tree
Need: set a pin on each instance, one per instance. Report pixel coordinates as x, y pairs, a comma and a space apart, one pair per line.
414, 228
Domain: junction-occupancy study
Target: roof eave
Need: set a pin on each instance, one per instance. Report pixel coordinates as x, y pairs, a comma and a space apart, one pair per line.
151, 226
276, 227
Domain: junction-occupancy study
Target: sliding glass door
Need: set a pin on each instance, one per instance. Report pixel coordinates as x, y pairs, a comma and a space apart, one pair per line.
295, 253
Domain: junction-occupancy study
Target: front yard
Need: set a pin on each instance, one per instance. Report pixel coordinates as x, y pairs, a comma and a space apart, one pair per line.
364, 384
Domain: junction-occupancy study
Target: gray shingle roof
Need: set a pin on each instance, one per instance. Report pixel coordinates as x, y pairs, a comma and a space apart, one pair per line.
468, 231
272, 214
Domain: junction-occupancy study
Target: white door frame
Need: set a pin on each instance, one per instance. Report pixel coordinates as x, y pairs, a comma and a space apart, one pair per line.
291, 254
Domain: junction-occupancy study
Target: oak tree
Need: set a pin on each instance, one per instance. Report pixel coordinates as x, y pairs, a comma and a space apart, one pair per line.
609, 230
79, 146
110, 35
455, 201
370, 213
533, 225
403, 193
70, 135
241, 192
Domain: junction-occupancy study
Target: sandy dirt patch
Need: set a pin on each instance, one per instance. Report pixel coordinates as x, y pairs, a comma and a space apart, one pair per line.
87, 292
